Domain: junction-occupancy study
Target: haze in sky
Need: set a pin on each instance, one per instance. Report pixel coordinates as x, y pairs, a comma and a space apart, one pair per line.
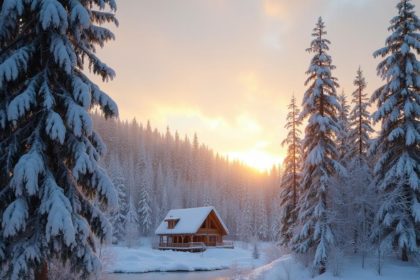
226, 69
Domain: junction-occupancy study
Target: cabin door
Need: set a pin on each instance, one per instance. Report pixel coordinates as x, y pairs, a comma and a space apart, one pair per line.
212, 240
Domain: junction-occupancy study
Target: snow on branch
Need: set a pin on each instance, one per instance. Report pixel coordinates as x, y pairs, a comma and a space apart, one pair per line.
104, 17
79, 15
104, 185
82, 228
98, 144
46, 94
83, 163
58, 207
78, 119
53, 15
9, 5
22, 103
108, 106
111, 4
98, 67
104, 231
55, 128
26, 173
81, 92
100, 35
14, 217
63, 53
15, 64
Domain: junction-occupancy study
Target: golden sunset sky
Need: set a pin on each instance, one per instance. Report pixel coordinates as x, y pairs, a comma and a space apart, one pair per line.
226, 69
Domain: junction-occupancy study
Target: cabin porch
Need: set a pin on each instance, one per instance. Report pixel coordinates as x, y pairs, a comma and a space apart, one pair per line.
192, 243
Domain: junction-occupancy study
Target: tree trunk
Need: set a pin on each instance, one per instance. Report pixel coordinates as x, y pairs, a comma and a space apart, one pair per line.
404, 254
363, 259
322, 268
355, 243
42, 272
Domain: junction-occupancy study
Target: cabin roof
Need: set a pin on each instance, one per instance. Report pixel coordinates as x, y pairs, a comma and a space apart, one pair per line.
190, 220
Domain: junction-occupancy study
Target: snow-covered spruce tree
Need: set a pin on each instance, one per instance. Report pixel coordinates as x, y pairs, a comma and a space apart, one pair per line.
49, 152
397, 170
291, 176
360, 201
360, 122
144, 186
132, 223
340, 194
262, 220
166, 203
320, 154
343, 144
118, 216
244, 218
145, 210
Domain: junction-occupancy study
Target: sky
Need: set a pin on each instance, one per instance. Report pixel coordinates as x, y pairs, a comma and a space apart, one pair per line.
226, 69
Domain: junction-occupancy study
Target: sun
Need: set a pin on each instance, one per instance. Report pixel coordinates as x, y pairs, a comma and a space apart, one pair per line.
261, 161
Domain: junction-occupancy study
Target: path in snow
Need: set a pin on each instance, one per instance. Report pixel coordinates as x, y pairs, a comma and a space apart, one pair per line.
286, 268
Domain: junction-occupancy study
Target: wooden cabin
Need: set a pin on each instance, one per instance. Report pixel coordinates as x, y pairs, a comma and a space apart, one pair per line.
192, 229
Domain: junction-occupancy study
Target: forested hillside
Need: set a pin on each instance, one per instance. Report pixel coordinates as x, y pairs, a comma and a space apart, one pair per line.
154, 172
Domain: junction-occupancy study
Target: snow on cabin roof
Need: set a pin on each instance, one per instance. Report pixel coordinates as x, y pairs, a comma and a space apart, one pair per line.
190, 220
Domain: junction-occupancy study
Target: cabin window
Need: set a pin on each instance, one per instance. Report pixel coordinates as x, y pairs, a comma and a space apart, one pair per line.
171, 224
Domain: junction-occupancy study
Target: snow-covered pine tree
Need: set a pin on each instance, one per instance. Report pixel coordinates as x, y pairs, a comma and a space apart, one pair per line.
262, 220
360, 203
132, 223
144, 184
320, 154
397, 170
291, 176
161, 185
118, 216
206, 193
244, 217
275, 215
49, 151
144, 205
343, 144
359, 119
357, 194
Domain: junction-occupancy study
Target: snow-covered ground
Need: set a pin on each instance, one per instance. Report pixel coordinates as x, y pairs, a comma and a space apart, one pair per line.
286, 268
243, 266
145, 259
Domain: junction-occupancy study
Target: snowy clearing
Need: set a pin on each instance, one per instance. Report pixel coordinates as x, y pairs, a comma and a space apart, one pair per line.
288, 268
145, 259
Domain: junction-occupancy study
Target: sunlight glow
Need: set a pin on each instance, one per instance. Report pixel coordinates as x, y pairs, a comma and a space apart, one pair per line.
229, 80
260, 160
274, 8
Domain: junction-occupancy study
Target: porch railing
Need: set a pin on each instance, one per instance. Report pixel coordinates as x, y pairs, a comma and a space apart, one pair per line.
225, 244
182, 245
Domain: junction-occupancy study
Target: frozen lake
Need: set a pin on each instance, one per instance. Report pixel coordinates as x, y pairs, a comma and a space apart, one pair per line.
205, 275
144, 259
144, 263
